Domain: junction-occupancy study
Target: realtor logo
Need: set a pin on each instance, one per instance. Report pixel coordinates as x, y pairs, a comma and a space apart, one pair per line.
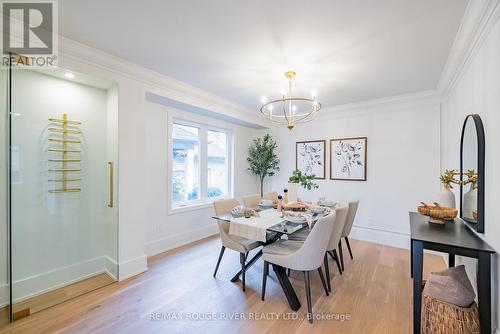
29, 33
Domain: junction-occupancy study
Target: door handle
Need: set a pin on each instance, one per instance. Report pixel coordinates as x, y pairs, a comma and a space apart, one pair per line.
111, 184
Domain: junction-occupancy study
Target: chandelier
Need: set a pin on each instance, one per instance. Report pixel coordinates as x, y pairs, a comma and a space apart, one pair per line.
290, 109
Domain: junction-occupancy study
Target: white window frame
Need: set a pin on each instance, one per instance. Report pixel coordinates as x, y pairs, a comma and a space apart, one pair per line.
203, 200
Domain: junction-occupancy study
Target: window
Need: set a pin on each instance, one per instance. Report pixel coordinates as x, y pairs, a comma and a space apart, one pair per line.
201, 163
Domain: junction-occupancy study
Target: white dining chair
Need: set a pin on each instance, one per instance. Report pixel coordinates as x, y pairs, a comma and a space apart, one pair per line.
236, 243
338, 226
251, 201
302, 256
273, 196
351, 214
340, 220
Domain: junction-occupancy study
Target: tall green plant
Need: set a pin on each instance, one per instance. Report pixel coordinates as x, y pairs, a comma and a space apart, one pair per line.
262, 159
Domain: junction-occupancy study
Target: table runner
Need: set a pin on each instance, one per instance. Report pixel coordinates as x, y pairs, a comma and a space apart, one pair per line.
255, 228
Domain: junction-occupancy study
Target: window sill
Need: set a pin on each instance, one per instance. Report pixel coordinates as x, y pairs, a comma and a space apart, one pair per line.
193, 206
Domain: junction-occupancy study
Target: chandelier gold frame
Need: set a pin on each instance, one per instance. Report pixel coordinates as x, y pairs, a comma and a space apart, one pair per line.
288, 113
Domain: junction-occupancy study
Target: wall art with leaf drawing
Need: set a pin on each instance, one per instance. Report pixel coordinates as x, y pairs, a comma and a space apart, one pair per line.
310, 158
348, 159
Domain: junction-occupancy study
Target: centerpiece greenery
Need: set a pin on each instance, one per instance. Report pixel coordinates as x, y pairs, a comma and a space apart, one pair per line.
262, 159
306, 181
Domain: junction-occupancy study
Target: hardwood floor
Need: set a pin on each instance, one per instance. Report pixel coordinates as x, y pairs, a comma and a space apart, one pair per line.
57, 296
374, 291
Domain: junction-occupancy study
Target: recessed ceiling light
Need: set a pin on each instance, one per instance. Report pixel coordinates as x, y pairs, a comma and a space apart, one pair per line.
69, 75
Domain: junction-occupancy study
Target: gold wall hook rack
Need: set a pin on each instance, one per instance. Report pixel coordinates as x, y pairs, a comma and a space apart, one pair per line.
67, 153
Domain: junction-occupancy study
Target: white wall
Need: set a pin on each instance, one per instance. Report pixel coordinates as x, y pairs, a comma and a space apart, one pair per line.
403, 165
478, 92
140, 222
166, 230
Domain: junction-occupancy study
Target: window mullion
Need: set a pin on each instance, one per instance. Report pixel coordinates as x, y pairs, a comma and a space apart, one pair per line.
203, 163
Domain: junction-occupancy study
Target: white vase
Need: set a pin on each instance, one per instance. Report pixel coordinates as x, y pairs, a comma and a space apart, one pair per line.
292, 193
446, 198
470, 203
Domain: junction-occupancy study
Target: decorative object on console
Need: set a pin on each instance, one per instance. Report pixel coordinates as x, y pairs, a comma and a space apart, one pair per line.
446, 197
438, 214
348, 159
469, 207
69, 159
263, 159
310, 158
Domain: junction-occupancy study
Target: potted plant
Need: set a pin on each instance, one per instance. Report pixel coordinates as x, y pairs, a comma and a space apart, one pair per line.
306, 181
262, 159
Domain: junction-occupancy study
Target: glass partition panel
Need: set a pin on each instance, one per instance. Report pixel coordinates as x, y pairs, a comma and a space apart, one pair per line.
64, 209
4, 222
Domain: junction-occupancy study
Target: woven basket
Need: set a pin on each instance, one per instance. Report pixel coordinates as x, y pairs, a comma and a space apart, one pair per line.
437, 213
442, 318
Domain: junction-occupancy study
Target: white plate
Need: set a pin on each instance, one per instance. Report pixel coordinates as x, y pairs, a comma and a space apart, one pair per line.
317, 209
266, 203
238, 211
329, 204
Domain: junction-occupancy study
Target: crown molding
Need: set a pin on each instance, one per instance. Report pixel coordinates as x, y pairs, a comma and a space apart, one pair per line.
398, 102
158, 83
478, 20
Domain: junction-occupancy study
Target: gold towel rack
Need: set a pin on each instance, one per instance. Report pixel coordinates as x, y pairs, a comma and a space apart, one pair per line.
67, 190
63, 121
65, 130
64, 180
65, 160
67, 140
66, 152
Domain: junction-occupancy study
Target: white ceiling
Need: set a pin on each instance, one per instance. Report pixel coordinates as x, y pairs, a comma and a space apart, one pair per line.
349, 51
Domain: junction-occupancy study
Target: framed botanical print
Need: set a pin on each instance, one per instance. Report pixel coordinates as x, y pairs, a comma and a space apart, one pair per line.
310, 158
348, 159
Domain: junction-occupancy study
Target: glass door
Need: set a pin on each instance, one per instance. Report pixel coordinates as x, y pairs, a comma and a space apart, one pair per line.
4, 218
64, 214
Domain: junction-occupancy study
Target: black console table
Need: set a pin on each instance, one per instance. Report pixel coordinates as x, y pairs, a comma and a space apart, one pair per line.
454, 238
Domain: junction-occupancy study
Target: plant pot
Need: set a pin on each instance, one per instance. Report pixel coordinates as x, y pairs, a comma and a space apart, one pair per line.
446, 198
292, 193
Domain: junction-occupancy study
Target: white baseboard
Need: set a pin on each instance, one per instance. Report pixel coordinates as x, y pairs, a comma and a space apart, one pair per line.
111, 267
133, 267
380, 236
4, 295
180, 239
44, 282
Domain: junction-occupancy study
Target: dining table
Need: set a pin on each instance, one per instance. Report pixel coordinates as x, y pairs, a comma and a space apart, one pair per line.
267, 227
